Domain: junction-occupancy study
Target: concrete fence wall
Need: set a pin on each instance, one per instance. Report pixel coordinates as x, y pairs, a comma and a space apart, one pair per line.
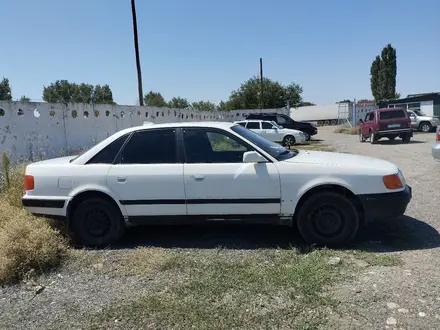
37, 130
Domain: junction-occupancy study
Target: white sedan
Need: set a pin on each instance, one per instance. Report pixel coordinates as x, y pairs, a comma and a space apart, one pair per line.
273, 132
190, 172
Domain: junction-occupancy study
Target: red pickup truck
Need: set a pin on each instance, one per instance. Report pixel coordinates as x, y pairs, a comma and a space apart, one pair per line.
386, 122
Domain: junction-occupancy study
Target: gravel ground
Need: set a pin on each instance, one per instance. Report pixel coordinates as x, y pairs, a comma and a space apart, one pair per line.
400, 297
408, 296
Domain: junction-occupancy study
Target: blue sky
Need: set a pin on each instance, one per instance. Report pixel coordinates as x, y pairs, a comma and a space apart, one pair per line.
204, 49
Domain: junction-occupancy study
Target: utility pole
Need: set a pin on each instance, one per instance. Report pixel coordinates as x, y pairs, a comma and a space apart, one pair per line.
136, 48
261, 84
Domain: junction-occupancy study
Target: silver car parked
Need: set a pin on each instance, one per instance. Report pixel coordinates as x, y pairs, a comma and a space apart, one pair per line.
422, 122
435, 149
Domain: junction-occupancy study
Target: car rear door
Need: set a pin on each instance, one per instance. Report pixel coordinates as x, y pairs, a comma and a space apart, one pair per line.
218, 183
389, 120
147, 175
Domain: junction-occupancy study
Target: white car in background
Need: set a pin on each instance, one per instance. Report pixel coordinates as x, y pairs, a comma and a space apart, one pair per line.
273, 132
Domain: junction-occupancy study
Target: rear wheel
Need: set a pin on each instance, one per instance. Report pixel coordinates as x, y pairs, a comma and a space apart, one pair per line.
289, 140
97, 222
406, 138
372, 137
391, 138
328, 218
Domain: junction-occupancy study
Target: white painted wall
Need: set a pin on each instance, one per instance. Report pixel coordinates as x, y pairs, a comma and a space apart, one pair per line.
38, 130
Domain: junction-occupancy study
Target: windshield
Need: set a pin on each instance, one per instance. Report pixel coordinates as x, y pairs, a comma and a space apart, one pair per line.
419, 113
274, 149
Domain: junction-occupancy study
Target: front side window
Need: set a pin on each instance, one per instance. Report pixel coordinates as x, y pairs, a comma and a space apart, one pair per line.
274, 149
253, 125
371, 116
109, 153
281, 120
213, 146
266, 125
150, 147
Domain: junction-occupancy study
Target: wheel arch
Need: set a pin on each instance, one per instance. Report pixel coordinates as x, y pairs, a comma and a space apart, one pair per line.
86, 194
331, 187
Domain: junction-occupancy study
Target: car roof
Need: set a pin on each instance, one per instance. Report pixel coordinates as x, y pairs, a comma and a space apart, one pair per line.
389, 109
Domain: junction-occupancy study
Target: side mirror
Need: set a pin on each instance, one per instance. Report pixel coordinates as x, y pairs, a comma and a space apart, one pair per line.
274, 127
280, 126
361, 121
253, 157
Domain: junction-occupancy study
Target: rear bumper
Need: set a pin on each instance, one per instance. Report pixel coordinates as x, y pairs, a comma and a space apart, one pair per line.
395, 132
435, 150
385, 206
45, 206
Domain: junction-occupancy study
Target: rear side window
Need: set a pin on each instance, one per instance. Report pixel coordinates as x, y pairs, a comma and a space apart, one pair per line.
391, 114
150, 147
253, 125
109, 153
283, 120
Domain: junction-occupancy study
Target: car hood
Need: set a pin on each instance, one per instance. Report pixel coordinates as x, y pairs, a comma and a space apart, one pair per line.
342, 160
55, 161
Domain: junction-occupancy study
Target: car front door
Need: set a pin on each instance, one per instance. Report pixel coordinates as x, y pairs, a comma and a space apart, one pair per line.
365, 127
413, 118
270, 132
147, 176
218, 183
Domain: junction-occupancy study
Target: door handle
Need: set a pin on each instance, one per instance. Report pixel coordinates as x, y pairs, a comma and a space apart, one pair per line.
198, 177
121, 179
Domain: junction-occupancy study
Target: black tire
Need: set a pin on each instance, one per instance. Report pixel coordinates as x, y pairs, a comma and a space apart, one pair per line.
391, 138
361, 137
328, 219
97, 222
372, 138
288, 140
406, 138
307, 136
425, 127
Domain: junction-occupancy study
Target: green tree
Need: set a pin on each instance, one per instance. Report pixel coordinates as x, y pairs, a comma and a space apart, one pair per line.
344, 101
153, 99
306, 104
204, 106
103, 95
178, 102
365, 101
63, 91
5, 90
275, 95
383, 72
24, 99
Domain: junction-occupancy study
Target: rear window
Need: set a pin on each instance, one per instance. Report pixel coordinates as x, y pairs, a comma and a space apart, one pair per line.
391, 114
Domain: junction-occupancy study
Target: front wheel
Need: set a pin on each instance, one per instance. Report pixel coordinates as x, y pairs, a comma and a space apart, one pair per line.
307, 135
361, 137
328, 219
372, 137
289, 140
97, 222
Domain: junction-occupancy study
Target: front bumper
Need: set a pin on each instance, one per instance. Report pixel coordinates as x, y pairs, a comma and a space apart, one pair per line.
385, 206
435, 150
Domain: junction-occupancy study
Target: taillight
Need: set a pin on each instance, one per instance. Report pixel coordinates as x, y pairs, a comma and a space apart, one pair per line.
438, 135
29, 182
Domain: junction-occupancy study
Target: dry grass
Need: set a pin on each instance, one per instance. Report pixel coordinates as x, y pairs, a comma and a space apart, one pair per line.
27, 243
315, 145
348, 130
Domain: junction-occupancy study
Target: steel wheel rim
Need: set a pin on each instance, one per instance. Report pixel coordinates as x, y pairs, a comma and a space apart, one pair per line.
327, 221
97, 222
425, 128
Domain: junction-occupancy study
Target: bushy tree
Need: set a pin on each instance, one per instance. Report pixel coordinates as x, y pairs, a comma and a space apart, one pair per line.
63, 91
153, 99
204, 106
24, 99
383, 72
178, 102
275, 95
5, 90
